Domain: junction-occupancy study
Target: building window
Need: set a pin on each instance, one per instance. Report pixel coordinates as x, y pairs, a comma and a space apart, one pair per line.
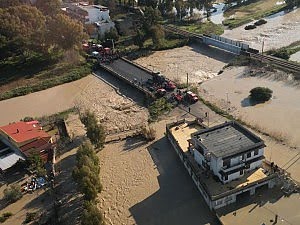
248, 154
226, 177
256, 152
226, 163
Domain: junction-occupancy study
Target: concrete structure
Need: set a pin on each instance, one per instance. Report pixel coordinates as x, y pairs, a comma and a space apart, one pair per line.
214, 190
227, 150
20, 140
95, 17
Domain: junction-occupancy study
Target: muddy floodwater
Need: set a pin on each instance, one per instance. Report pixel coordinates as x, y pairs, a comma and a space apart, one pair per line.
278, 117
281, 30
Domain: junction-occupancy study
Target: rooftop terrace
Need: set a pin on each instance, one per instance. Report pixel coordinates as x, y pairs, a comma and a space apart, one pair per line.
182, 133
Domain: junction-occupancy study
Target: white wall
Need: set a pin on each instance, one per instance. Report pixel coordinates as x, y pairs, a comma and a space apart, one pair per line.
96, 15
198, 157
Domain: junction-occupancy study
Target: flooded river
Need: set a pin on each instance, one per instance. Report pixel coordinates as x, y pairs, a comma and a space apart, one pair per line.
281, 30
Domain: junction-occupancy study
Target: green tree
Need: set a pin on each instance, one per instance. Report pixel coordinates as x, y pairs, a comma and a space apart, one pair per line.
91, 215
261, 94
158, 35
94, 131
48, 7
12, 193
112, 34
22, 30
36, 163
140, 38
64, 32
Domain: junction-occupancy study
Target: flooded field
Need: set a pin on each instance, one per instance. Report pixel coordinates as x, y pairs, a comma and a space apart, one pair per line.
278, 117
114, 110
201, 62
281, 30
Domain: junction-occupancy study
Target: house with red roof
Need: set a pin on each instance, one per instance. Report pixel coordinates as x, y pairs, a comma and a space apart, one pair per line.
22, 139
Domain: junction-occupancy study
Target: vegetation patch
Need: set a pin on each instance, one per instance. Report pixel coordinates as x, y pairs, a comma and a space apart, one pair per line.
260, 94
202, 28
249, 11
285, 52
5, 216
159, 107
71, 74
12, 193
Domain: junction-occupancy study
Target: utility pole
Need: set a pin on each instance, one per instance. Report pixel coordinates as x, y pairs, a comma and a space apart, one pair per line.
187, 81
262, 47
227, 102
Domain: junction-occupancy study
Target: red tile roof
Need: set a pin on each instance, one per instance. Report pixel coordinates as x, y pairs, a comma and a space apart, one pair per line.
36, 145
24, 131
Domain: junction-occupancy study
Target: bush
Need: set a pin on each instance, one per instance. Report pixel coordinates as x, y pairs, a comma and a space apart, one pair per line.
261, 94
149, 133
158, 107
5, 216
91, 215
260, 22
250, 27
12, 193
30, 217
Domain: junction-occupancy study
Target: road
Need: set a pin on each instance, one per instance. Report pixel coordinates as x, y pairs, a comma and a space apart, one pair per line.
129, 71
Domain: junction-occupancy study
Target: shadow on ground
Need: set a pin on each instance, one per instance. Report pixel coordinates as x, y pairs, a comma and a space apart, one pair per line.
178, 201
123, 88
262, 196
213, 52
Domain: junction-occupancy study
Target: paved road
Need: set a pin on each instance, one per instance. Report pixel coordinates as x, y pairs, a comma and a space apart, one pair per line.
129, 71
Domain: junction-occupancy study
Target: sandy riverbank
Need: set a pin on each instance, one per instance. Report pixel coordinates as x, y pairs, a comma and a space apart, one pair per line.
115, 111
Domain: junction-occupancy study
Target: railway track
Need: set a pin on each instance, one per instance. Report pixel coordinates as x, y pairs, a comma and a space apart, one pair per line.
281, 63
293, 67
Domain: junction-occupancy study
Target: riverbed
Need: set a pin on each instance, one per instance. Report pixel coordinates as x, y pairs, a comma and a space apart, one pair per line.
281, 30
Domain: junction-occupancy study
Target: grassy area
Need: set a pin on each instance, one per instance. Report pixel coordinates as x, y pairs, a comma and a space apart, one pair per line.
285, 52
60, 74
252, 10
203, 28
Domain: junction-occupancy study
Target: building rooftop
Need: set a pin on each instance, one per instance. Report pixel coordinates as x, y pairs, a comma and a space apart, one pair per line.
8, 157
228, 139
87, 6
215, 189
24, 131
183, 132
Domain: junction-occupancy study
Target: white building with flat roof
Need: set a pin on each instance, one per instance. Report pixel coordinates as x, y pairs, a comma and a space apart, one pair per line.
228, 150
88, 14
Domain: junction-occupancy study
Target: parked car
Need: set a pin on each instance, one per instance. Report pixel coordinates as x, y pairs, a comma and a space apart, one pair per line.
178, 97
170, 86
191, 97
160, 92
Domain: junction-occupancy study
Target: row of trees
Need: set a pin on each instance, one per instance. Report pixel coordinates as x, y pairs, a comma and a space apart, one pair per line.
36, 32
86, 174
